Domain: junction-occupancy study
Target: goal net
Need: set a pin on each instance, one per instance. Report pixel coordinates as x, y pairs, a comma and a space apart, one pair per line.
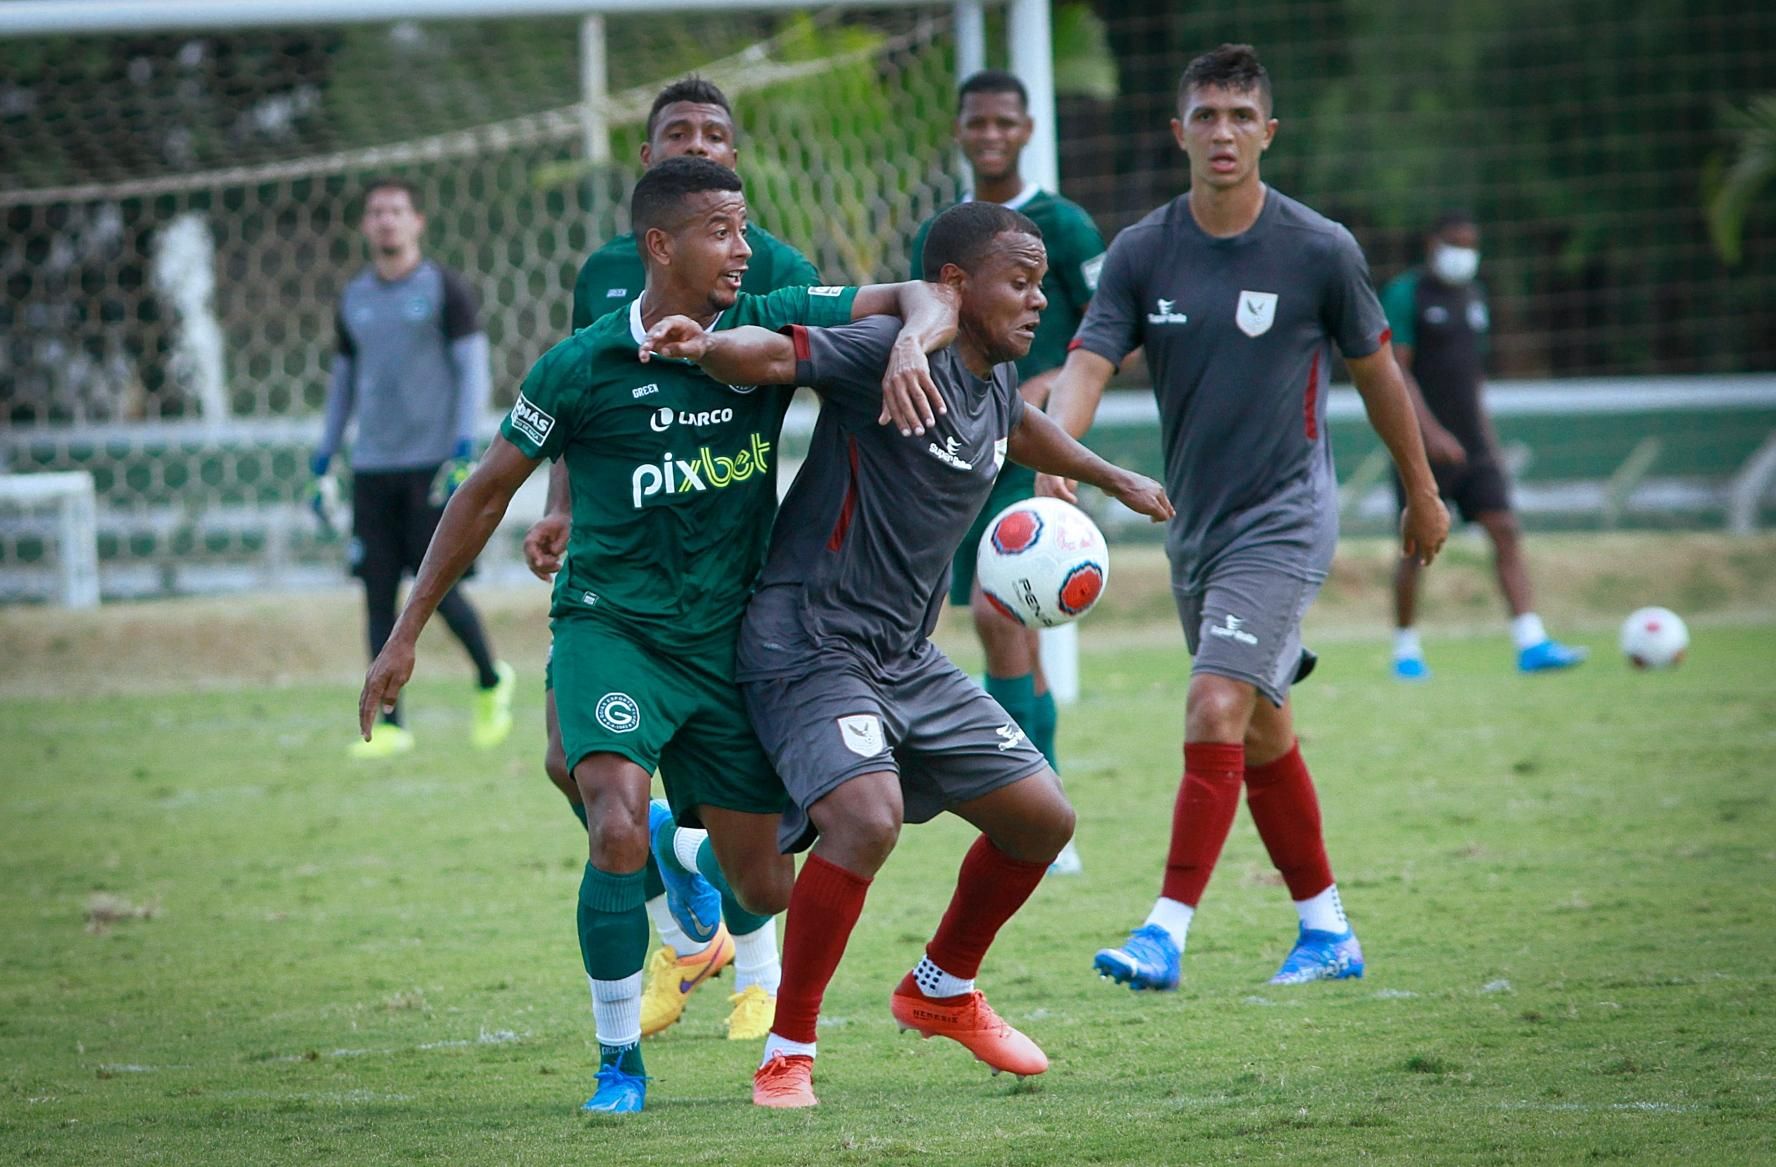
180, 217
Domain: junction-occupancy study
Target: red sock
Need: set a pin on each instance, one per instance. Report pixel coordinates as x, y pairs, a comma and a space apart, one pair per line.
991, 887
1281, 797
1208, 798
823, 908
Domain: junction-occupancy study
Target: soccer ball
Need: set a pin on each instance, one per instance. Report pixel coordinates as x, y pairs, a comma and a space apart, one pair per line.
1654, 638
1042, 562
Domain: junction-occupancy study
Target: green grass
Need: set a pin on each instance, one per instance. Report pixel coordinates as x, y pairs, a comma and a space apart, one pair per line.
1565, 887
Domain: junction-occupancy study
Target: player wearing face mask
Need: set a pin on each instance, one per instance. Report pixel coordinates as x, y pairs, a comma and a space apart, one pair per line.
1440, 330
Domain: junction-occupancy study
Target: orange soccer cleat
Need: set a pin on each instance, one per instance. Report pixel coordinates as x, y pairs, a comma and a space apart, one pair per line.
970, 1021
785, 1082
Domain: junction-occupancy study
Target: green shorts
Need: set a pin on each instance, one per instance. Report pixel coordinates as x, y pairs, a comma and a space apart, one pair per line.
1014, 484
680, 713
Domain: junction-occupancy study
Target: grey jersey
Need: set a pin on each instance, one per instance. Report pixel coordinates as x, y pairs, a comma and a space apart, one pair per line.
1238, 334
869, 527
414, 368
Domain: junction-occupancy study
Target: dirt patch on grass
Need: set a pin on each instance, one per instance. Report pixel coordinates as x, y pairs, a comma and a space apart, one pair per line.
1582, 582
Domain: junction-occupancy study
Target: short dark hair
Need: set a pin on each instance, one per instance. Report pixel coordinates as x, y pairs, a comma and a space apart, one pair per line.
1452, 218
389, 182
657, 197
993, 81
1232, 67
693, 89
964, 234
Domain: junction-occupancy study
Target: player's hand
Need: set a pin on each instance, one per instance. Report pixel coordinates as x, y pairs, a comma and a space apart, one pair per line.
389, 672
452, 474
1140, 493
910, 400
323, 501
545, 544
1424, 526
1054, 486
675, 336
1442, 447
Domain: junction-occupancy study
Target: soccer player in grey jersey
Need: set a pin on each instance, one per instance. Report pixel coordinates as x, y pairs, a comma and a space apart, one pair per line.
412, 365
1238, 293
868, 724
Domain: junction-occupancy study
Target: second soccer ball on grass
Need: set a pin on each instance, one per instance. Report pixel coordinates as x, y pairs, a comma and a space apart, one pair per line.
1043, 562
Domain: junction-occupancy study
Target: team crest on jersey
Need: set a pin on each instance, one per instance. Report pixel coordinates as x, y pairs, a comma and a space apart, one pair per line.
862, 734
1256, 312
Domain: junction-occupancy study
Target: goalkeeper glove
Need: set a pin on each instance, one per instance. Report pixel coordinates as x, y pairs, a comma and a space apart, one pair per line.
452, 474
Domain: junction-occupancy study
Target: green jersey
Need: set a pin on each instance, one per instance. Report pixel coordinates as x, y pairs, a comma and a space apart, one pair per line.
612, 276
1075, 253
673, 475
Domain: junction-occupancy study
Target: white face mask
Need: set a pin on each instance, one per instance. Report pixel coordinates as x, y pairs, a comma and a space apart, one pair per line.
1454, 265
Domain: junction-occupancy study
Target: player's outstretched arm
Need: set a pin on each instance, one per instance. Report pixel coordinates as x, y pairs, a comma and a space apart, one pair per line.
748, 355
928, 314
1040, 444
1073, 398
546, 542
1425, 524
469, 520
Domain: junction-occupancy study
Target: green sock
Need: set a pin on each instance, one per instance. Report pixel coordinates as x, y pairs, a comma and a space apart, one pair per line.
613, 925
1017, 696
1042, 726
625, 1057
653, 886
740, 921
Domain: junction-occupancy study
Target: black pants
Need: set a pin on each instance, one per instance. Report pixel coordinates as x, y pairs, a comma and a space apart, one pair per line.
392, 523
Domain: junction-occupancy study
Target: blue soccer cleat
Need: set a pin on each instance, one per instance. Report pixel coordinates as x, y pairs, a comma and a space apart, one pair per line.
1411, 668
693, 900
1321, 956
1550, 655
1147, 960
618, 1092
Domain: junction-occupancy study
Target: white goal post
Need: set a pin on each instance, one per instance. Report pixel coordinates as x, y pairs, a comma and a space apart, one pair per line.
75, 527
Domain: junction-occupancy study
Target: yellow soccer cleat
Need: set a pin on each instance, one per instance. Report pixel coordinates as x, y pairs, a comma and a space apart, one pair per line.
671, 977
385, 742
754, 1011
493, 710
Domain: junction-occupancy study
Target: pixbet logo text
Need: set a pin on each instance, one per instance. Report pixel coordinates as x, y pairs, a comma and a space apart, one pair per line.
705, 470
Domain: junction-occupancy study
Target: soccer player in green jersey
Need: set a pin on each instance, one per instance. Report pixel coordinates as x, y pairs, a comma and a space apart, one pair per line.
701, 931
993, 126
673, 481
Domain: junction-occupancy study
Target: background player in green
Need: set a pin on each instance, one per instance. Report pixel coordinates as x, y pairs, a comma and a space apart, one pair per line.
993, 126
700, 931
1440, 322
674, 489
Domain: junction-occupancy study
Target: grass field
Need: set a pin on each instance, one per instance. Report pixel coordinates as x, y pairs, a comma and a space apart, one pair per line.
221, 943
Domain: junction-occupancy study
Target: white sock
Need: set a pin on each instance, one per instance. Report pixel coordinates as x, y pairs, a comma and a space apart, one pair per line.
1324, 912
1174, 916
616, 1010
935, 982
1406, 644
686, 841
1527, 630
755, 960
671, 935
782, 1045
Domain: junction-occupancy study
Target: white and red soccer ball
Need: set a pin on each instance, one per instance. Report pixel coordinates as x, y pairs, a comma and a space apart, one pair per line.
1654, 638
1042, 562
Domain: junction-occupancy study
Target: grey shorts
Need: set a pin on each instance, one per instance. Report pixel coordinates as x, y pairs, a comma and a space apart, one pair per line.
1245, 623
949, 742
